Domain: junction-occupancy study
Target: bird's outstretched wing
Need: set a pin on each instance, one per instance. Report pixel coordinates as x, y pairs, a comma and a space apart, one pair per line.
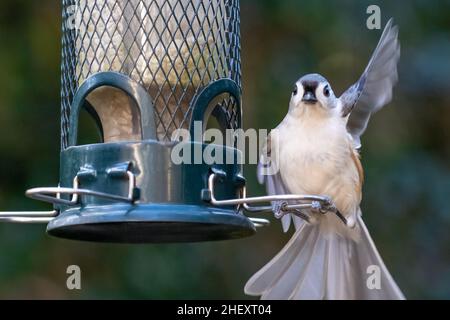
374, 88
268, 175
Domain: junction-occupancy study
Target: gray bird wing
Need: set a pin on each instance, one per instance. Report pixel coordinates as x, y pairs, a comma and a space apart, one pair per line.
374, 88
274, 184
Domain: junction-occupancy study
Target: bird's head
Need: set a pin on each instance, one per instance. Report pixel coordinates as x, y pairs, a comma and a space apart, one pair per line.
313, 91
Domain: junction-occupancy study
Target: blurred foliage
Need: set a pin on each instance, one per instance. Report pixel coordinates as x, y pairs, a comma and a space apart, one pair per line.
406, 151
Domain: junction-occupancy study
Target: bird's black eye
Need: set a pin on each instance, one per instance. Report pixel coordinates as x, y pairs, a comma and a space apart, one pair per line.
295, 90
326, 91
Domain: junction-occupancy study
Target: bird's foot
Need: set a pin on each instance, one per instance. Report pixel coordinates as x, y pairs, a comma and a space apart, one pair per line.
303, 215
328, 206
279, 209
316, 207
323, 207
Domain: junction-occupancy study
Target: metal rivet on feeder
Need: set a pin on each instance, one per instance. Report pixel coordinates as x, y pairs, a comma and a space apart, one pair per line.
144, 69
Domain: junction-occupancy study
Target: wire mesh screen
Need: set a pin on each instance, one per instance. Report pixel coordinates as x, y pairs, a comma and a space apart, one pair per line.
173, 48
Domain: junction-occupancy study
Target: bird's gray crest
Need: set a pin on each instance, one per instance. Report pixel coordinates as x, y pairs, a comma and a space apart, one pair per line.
312, 77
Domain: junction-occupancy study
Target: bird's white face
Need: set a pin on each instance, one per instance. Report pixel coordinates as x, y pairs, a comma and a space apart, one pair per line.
313, 91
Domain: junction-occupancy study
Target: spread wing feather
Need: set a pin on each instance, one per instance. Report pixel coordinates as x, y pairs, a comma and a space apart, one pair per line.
374, 88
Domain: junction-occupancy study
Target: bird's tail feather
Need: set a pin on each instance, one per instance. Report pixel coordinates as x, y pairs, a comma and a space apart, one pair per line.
316, 264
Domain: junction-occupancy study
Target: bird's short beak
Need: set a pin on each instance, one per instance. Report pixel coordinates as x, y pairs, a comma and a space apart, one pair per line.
309, 97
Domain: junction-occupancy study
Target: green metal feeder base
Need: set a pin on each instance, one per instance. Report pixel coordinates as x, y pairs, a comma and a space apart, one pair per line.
148, 190
150, 223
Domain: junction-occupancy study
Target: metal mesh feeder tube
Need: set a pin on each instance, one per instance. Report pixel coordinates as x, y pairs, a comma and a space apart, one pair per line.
143, 70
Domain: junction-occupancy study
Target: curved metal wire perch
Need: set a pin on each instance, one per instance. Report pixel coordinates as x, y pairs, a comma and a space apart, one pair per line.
44, 194
322, 204
28, 216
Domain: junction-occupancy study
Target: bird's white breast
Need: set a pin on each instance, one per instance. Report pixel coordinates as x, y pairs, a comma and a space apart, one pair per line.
314, 157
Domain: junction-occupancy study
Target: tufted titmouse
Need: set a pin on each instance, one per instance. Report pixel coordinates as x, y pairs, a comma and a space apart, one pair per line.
316, 149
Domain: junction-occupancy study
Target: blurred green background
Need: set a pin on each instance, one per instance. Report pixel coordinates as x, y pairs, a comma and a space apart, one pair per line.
406, 151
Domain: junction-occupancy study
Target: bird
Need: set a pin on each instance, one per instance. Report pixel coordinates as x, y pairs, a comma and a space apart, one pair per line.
315, 151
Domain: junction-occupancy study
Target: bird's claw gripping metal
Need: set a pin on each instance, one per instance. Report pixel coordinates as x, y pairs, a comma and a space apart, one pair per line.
317, 207
281, 204
279, 209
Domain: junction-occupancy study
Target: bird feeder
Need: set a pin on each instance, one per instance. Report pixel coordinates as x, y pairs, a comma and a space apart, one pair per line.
144, 70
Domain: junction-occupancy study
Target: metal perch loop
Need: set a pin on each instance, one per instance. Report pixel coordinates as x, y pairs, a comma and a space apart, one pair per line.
322, 204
